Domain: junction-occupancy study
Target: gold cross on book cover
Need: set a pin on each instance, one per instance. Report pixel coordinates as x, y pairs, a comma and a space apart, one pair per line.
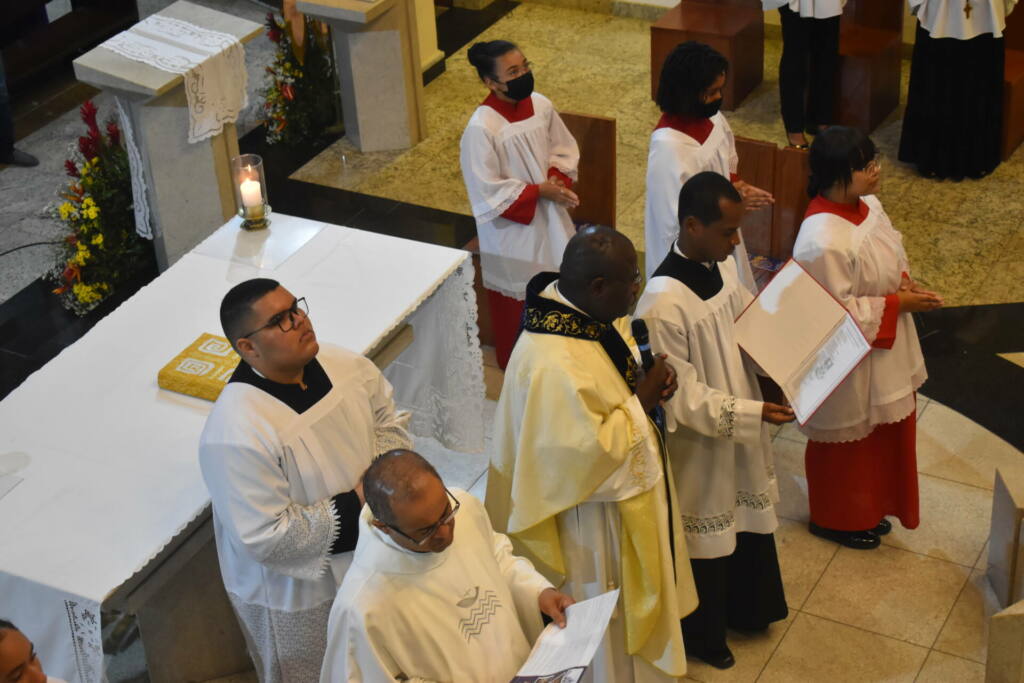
202, 369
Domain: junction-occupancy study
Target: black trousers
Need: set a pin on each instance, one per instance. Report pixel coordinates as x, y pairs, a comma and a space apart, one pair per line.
808, 70
741, 591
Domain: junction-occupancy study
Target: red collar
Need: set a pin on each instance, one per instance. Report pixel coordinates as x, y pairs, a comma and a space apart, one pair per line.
821, 205
698, 129
513, 112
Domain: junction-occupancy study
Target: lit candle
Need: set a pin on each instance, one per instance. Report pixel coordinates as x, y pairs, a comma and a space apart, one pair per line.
252, 193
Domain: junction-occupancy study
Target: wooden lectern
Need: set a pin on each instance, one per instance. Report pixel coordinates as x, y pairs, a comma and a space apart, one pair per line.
1013, 84
783, 172
870, 61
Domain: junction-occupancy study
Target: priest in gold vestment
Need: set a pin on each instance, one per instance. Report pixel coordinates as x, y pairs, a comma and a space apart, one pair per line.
578, 478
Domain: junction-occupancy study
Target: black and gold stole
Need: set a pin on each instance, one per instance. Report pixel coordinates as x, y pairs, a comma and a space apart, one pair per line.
546, 316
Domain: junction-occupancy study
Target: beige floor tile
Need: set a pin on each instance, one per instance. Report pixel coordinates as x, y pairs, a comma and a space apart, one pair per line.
966, 631
1002, 282
789, 471
954, 521
818, 650
752, 651
954, 447
888, 591
982, 562
802, 558
943, 668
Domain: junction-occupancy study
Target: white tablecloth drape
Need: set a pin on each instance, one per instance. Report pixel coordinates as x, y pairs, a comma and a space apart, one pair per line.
113, 470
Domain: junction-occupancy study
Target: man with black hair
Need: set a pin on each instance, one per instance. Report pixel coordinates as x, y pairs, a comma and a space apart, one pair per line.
692, 136
434, 593
19, 662
577, 476
282, 455
717, 423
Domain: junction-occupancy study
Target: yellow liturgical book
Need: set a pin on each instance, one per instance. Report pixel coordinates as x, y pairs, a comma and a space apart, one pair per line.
202, 369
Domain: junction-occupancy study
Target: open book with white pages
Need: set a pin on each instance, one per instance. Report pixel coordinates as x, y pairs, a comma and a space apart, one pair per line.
802, 337
561, 655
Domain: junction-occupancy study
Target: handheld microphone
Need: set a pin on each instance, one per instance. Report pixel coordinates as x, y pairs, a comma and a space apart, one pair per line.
643, 342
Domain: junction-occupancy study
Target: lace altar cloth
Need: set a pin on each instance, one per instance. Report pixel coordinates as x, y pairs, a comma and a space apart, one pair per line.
212, 64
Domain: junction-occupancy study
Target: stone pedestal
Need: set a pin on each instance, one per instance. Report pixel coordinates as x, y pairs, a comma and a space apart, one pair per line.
1005, 564
189, 185
1005, 663
377, 54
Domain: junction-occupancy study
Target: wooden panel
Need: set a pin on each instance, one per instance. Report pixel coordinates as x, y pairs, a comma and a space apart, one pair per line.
886, 15
757, 167
1013, 102
791, 172
596, 187
735, 31
869, 76
1013, 35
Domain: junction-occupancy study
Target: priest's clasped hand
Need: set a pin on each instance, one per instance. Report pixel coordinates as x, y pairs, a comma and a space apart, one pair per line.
553, 604
655, 382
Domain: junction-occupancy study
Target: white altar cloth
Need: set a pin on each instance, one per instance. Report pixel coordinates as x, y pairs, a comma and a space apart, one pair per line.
114, 474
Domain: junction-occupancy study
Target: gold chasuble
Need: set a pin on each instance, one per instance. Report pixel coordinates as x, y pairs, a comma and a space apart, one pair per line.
579, 480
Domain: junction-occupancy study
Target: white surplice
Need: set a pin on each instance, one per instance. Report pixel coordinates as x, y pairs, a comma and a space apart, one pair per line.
468, 613
499, 159
860, 265
674, 158
947, 18
808, 9
272, 474
719, 445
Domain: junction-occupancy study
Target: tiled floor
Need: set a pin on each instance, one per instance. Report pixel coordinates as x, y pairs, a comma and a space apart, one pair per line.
916, 609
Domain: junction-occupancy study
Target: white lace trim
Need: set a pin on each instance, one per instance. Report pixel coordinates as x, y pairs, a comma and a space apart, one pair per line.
303, 550
441, 383
494, 212
211, 63
140, 198
284, 645
727, 418
716, 525
390, 438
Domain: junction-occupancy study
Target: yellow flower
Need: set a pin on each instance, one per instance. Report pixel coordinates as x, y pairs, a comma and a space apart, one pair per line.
82, 255
98, 240
92, 212
65, 210
86, 294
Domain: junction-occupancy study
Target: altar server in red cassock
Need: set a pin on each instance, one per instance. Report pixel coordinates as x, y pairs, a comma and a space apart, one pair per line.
519, 164
861, 453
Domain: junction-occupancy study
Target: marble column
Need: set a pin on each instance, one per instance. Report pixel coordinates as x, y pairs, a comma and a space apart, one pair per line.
377, 53
188, 185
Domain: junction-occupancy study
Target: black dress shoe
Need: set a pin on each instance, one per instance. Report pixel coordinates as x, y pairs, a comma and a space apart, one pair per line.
884, 527
720, 659
858, 540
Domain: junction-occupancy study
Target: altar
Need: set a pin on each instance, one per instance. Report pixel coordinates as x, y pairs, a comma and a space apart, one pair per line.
108, 507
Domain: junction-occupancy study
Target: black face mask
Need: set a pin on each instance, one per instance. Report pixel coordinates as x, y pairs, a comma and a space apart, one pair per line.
520, 88
706, 110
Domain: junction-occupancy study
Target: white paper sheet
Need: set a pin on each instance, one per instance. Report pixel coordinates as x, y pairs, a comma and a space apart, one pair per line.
561, 655
802, 337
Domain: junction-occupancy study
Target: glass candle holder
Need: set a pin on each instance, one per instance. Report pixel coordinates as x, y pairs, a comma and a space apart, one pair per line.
251, 191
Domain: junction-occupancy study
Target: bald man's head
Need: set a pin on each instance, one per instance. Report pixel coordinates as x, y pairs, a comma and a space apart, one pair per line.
599, 273
406, 495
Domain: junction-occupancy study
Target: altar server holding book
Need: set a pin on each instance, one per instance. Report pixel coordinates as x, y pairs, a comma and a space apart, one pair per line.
861, 454
717, 423
692, 136
282, 455
519, 164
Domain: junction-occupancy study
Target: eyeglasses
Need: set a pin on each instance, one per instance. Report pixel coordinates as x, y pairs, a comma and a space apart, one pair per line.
429, 534
517, 71
298, 309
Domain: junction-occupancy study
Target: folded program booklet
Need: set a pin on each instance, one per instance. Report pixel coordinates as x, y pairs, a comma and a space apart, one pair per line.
561, 655
802, 337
